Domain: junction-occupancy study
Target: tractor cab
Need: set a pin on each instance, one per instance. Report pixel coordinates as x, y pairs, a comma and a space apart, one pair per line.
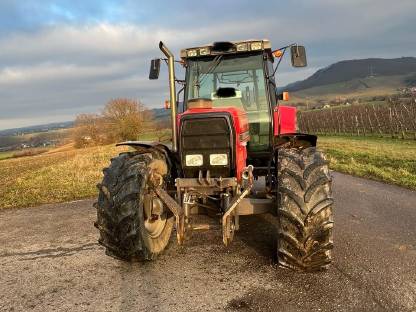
235, 74
240, 74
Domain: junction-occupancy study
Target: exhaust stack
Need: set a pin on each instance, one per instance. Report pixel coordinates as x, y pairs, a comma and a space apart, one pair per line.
172, 91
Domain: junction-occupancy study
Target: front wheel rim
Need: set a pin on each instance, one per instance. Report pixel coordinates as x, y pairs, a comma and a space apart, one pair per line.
154, 224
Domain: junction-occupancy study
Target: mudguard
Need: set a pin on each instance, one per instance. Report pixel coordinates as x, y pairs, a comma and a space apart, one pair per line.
153, 147
146, 145
303, 140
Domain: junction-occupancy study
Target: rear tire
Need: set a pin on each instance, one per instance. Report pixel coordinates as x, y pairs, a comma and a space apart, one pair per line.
305, 210
121, 217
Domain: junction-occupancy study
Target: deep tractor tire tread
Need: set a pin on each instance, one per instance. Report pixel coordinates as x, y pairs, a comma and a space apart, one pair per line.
305, 207
120, 210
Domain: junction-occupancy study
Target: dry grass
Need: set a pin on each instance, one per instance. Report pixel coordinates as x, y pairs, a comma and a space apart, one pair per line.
67, 174
54, 177
30, 152
383, 159
63, 148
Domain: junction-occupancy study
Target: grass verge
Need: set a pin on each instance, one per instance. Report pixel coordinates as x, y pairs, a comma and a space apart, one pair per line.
6, 155
23, 153
382, 159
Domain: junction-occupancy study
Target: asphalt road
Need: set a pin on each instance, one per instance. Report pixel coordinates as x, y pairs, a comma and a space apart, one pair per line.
50, 261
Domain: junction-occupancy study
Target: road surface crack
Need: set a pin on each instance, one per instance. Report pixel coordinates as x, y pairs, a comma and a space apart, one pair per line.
50, 252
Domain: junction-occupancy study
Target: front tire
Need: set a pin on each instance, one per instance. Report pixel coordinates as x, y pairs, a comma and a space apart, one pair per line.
305, 210
126, 230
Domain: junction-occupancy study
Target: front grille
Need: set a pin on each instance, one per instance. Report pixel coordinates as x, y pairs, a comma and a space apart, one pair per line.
208, 135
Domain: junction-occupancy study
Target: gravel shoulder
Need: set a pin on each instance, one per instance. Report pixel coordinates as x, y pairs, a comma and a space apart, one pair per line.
50, 261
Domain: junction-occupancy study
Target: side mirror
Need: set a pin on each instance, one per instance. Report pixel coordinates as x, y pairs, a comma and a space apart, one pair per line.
298, 54
154, 69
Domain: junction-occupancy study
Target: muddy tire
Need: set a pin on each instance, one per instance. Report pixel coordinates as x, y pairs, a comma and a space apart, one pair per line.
304, 210
121, 218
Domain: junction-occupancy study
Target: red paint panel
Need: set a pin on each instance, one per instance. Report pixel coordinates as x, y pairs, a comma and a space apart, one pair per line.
284, 119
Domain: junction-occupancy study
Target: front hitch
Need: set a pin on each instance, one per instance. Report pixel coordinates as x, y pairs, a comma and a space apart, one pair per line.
228, 219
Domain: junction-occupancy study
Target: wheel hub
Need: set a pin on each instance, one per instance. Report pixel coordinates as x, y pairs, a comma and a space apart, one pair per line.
154, 216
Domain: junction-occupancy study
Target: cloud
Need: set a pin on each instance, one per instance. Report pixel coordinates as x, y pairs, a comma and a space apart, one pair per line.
67, 57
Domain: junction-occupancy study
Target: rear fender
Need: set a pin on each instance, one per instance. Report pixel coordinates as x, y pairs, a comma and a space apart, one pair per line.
297, 140
284, 120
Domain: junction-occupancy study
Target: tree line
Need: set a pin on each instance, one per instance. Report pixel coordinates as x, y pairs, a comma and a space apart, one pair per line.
395, 118
121, 120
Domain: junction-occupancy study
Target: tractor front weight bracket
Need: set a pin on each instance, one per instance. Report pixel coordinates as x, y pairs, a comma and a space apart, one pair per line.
229, 219
177, 211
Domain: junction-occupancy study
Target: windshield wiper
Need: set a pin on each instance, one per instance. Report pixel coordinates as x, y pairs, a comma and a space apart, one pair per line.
215, 62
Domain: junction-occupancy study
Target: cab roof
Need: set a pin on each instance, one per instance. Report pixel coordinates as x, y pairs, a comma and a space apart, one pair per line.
227, 47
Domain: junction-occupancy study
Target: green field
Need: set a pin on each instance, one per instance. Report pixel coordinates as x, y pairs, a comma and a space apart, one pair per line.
23, 152
383, 159
5, 155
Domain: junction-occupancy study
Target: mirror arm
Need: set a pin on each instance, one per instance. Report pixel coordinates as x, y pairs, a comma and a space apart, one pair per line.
280, 59
179, 92
285, 47
180, 81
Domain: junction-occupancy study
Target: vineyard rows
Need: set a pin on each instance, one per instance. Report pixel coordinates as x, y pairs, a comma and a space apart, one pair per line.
395, 118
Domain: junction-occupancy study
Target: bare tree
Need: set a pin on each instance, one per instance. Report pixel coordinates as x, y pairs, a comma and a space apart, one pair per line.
122, 119
126, 119
88, 130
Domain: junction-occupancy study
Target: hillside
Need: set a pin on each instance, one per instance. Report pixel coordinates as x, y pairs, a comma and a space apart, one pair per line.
161, 113
37, 128
363, 75
369, 86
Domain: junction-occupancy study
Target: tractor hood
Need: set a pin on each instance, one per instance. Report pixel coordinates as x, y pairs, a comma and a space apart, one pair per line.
209, 133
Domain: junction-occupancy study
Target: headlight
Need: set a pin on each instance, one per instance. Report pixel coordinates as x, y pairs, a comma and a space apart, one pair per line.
241, 47
256, 45
192, 53
204, 51
218, 159
194, 160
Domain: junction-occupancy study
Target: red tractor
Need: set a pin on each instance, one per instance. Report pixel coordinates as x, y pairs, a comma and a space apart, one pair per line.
235, 151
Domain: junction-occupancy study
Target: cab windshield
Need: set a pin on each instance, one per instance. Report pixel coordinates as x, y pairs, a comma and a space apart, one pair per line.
246, 75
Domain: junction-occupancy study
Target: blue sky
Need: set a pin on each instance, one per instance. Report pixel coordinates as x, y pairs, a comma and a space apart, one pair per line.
61, 58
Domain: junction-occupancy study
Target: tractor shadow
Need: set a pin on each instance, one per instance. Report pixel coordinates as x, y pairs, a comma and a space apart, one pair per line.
259, 233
